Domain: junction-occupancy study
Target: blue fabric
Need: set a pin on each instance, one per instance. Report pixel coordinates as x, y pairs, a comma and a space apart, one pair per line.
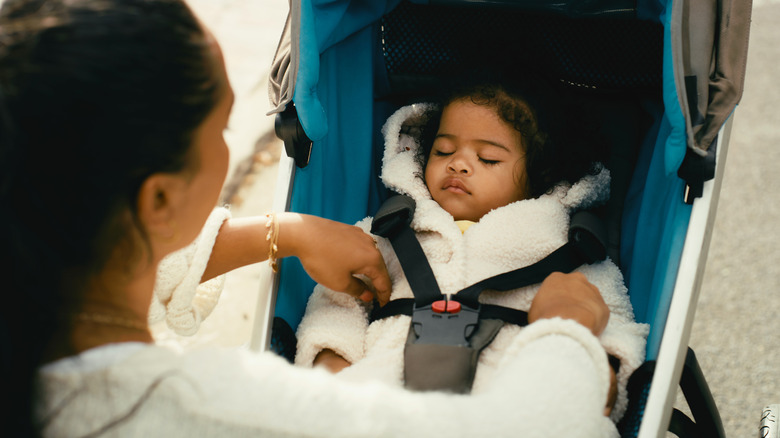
335, 183
633, 200
652, 10
656, 221
336, 21
307, 101
656, 217
676, 144
334, 99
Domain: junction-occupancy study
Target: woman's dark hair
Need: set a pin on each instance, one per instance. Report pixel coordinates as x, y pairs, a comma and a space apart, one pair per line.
559, 143
95, 96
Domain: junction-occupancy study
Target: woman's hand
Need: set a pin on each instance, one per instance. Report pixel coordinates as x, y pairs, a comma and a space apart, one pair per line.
332, 253
570, 296
335, 254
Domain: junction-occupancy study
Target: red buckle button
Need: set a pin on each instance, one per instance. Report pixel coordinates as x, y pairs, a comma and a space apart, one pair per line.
442, 306
439, 306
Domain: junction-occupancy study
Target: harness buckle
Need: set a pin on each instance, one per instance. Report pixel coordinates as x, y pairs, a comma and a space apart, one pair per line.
443, 346
444, 306
444, 322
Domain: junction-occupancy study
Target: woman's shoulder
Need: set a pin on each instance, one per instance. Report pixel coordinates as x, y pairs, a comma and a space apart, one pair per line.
94, 359
105, 383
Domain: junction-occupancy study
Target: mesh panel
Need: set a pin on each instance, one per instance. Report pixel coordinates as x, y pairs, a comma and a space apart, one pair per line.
604, 53
638, 393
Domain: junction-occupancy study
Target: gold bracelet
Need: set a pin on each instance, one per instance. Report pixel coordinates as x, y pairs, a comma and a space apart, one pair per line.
273, 238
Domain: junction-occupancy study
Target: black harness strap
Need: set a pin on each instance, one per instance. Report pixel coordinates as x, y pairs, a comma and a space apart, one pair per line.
405, 306
416, 267
392, 221
564, 259
585, 246
401, 306
506, 314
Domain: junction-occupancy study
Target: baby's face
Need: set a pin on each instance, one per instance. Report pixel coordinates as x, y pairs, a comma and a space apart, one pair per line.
476, 163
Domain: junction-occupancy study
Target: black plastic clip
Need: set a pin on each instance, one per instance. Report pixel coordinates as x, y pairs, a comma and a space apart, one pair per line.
397, 212
589, 236
288, 128
695, 170
441, 324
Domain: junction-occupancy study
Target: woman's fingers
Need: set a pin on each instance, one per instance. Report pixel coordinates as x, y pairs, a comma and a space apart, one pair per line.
334, 254
379, 286
570, 296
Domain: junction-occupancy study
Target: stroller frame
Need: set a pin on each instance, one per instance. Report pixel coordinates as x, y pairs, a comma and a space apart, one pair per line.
693, 96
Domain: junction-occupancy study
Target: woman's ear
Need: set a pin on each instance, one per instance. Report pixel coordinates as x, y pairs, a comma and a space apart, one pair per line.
159, 201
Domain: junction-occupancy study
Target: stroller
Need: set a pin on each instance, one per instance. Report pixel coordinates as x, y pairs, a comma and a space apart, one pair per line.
662, 77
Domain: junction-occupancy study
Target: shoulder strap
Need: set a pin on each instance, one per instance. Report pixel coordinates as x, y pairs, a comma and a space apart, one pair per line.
586, 245
405, 306
392, 221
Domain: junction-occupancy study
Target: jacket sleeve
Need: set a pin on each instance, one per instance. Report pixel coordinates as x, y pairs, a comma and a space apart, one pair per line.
236, 392
179, 296
623, 337
335, 321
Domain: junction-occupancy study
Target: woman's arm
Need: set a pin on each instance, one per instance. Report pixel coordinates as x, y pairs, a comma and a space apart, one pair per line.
332, 253
217, 393
572, 296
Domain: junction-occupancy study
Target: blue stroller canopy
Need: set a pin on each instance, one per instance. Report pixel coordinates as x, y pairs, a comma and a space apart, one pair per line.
344, 66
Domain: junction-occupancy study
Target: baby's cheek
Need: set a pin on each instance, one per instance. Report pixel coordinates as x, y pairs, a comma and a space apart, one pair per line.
521, 181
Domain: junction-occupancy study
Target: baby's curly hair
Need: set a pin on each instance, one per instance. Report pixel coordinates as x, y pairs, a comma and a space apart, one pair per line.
559, 144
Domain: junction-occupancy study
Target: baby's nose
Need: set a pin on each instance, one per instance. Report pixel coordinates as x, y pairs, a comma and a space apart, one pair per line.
459, 165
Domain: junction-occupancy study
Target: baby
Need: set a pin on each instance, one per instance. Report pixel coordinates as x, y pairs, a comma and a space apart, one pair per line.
496, 171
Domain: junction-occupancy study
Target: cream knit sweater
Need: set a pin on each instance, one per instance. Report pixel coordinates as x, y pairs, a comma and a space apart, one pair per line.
179, 297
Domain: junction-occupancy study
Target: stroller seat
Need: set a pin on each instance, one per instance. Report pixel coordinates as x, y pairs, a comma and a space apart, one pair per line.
640, 68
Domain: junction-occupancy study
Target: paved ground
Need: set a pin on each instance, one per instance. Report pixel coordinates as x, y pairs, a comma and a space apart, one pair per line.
737, 324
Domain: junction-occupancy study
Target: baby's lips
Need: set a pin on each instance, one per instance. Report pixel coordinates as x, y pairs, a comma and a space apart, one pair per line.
454, 184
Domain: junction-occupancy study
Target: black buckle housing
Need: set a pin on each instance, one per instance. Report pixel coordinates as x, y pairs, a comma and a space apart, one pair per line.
297, 144
696, 170
444, 328
589, 235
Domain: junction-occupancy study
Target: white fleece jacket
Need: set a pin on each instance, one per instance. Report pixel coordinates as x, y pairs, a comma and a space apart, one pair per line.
507, 238
138, 390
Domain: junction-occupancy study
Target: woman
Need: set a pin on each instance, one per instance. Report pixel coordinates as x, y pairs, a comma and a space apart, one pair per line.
112, 158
